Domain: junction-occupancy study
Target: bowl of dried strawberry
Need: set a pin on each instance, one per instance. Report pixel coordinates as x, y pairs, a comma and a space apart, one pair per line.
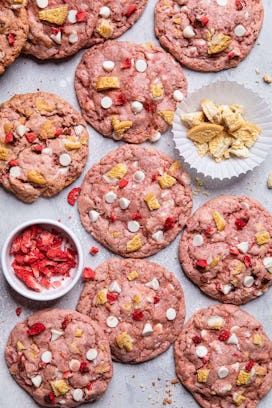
42, 259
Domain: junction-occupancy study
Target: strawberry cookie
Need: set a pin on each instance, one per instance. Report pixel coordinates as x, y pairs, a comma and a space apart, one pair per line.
59, 28
129, 91
13, 31
208, 35
224, 358
43, 145
139, 304
135, 201
60, 357
226, 249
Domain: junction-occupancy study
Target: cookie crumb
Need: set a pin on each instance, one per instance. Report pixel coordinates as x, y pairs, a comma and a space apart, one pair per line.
267, 79
269, 180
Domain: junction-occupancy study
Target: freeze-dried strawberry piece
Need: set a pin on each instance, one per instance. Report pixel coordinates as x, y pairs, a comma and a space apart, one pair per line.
89, 386
50, 398
13, 163
138, 315
169, 224
234, 251
122, 183
26, 241
136, 216
131, 10
112, 218
240, 223
66, 321
58, 132
73, 195
57, 254
126, 63
63, 268
88, 274
45, 240
209, 231
18, 311
112, 297
204, 21
249, 365
238, 5
224, 335
197, 340
156, 299
45, 283
247, 261
9, 137
82, 16
201, 264
120, 100
149, 106
47, 266
36, 328
37, 148
30, 137
28, 278
15, 246
94, 250
84, 367
11, 39
155, 177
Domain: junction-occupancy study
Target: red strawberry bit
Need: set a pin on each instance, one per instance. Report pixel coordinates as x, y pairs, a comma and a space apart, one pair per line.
234, 251
123, 183
27, 277
249, 365
156, 299
136, 216
36, 328
204, 21
15, 246
66, 321
94, 250
113, 218
154, 177
231, 55
13, 163
120, 100
84, 367
197, 340
37, 148
112, 297
55, 30
9, 137
201, 264
238, 5
42, 364
20, 361
58, 132
209, 231
18, 311
50, 398
149, 106
82, 16
138, 315
73, 195
30, 137
131, 10
89, 386
126, 63
169, 223
247, 261
88, 274
224, 335
45, 283
240, 223
11, 39
205, 359
57, 254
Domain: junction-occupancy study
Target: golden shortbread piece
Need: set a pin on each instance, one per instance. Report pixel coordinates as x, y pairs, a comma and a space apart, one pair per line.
151, 201
117, 172
36, 177
262, 237
120, 127
134, 244
59, 387
205, 132
218, 43
105, 29
105, 83
168, 116
123, 340
166, 181
219, 221
192, 119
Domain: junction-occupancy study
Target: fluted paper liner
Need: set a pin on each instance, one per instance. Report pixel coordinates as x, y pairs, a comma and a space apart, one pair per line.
256, 111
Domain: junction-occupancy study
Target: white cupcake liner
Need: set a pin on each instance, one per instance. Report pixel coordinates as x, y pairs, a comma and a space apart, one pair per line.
256, 111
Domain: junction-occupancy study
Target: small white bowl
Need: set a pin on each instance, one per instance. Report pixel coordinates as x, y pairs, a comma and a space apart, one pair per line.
256, 110
46, 294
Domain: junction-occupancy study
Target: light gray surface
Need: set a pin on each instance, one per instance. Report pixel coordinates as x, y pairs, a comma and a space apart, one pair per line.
131, 385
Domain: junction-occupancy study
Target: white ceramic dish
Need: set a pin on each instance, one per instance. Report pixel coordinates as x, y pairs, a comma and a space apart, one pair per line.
46, 294
256, 110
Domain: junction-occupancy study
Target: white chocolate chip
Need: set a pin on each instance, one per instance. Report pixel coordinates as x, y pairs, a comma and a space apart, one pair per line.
188, 32
72, 16
197, 240
110, 197
203, 333
74, 365
65, 159
37, 380
47, 150
55, 334
243, 247
105, 12
215, 321
147, 330
171, 314
73, 38
235, 366
93, 215
139, 176
91, 354
222, 2
21, 130
154, 284
78, 129
246, 15
233, 339
156, 137
56, 37
222, 372
248, 281
140, 65
46, 357
133, 226
178, 95
108, 66
15, 171
267, 262
239, 30
114, 287
225, 388
42, 3
201, 351
226, 289
234, 328
136, 107
124, 203
106, 102
77, 394
158, 236
112, 321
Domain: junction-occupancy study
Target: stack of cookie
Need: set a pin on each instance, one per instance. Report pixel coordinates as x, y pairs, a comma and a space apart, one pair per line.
135, 201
